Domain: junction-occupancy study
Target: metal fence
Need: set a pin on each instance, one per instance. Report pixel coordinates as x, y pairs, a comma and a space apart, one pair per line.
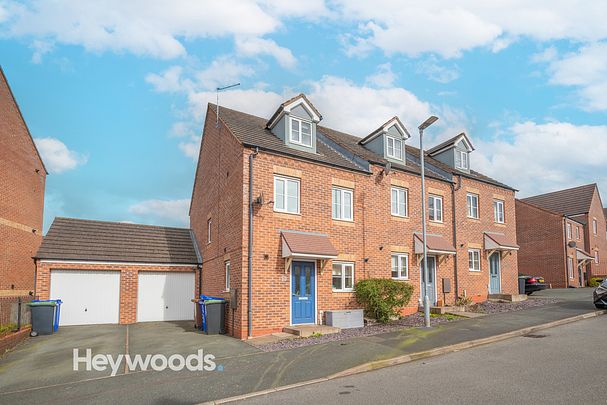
14, 311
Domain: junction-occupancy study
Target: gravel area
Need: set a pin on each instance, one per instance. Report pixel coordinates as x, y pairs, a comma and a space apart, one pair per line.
411, 321
489, 307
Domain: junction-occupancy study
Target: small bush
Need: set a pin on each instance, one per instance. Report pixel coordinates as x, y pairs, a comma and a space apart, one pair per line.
382, 297
595, 281
463, 301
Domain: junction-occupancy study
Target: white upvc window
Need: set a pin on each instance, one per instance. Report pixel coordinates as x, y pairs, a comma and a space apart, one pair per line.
498, 211
577, 232
399, 201
472, 204
594, 226
209, 227
435, 208
301, 132
474, 259
227, 268
394, 148
400, 266
596, 256
343, 276
286, 195
569, 231
570, 266
461, 160
342, 204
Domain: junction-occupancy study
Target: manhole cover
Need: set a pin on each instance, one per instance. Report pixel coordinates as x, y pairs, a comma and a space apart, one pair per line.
534, 336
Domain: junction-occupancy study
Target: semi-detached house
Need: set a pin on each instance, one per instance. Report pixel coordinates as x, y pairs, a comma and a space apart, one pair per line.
303, 212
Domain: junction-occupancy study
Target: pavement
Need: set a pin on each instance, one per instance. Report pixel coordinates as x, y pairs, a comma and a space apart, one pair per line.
561, 365
41, 369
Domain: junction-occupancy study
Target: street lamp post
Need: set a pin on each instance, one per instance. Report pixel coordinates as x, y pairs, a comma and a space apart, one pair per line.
431, 120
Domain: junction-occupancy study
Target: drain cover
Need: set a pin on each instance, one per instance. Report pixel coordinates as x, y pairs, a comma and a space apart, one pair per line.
534, 336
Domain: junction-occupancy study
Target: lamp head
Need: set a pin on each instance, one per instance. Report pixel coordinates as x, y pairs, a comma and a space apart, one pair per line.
431, 120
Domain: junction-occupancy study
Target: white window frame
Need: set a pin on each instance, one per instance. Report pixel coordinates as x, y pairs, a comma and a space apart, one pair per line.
394, 141
496, 211
286, 180
403, 273
569, 233
463, 156
397, 204
594, 226
209, 228
469, 206
577, 232
343, 266
596, 257
570, 266
228, 268
474, 260
434, 210
299, 140
343, 215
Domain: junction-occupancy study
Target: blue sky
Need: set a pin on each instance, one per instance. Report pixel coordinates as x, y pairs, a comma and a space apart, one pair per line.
115, 92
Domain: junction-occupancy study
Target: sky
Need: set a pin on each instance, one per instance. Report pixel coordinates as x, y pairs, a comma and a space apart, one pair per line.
115, 92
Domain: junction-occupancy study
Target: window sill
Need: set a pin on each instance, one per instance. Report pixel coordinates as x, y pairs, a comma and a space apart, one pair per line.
439, 224
400, 279
342, 222
286, 215
500, 224
400, 217
473, 219
343, 291
475, 271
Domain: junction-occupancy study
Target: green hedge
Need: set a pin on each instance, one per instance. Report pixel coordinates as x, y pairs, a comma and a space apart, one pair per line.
595, 281
383, 298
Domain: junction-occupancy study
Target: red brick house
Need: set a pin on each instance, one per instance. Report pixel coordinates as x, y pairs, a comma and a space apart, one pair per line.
582, 208
322, 209
112, 272
22, 179
552, 245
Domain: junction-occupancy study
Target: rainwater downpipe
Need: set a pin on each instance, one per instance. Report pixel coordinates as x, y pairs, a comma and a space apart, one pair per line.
455, 188
250, 248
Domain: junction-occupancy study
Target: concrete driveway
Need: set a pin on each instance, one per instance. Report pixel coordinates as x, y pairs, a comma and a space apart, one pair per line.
48, 360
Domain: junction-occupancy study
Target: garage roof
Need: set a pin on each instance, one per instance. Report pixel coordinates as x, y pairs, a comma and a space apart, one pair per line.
79, 239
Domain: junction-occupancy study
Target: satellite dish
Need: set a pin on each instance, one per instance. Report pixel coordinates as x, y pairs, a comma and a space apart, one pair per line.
387, 168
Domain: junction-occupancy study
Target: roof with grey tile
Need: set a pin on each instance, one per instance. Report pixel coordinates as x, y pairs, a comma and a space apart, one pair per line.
570, 201
87, 240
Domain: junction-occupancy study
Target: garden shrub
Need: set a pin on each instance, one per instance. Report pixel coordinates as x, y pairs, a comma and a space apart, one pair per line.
595, 281
383, 297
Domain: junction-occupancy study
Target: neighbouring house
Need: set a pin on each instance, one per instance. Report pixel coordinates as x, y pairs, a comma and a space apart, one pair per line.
112, 272
307, 211
22, 179
582, 209
552, 245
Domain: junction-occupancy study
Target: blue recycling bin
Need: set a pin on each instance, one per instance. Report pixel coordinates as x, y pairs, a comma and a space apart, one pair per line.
57, 312
204, 301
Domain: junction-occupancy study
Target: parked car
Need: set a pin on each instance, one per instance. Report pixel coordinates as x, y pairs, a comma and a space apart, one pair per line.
600, 295
533, 284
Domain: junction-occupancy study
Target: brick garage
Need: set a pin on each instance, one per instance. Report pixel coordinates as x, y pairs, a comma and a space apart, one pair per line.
22, 181
220, 207
87, 262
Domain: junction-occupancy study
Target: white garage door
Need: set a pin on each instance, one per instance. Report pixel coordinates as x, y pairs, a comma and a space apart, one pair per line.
89, 297
165, 296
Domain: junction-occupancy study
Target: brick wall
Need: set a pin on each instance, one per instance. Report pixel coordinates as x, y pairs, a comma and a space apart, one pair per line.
219, 196
22, 179
598, 241
470, 235
541, 236
128, 281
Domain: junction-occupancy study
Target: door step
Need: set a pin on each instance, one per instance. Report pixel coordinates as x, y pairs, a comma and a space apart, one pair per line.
507, 297
310, 330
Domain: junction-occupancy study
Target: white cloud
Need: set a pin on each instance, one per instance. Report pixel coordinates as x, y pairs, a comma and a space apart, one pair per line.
168, 81
437, 72
224, 70
384, 77
449, 28
57, 157
40, 48
190, 148
537, 158
586, 70
259, 46
167, 212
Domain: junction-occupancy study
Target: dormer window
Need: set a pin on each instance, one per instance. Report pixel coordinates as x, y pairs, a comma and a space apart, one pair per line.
394, 148
461, 160
301, 132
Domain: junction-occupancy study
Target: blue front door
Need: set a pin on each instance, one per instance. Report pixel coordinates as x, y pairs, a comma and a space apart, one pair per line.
494, 274
303, 292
